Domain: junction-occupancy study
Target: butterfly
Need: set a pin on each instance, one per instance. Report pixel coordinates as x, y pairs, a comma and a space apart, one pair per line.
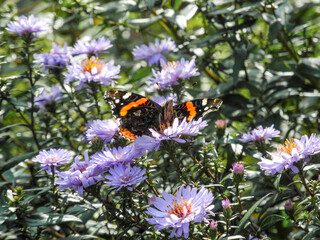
138, 114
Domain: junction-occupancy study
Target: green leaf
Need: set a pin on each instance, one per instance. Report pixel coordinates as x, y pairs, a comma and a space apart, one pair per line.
177, 4
17, 102
274, 30
42, 219
246, 217
310, 67
141, 73
240, 55
313, 233
269, 221
13, 125
80, 237
15, 161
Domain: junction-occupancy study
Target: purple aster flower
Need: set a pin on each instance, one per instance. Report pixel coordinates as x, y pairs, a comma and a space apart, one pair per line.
145, 143
177, 211
178, 128
109, 157
92, 47
172, 72
26, 25
93, 70
104, 129
161, 100
293, 151
48, 98
308, 146
284, 158
81, 175
125, 176
154, 52
53, 158
57, 57
260, 134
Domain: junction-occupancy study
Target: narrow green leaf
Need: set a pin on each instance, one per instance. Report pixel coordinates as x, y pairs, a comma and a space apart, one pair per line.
141, 73
41, 219
177, 4
15, 161
274, 30
17, 102
313, 233
80, 237
240, 55
269, 221
246, 217
13, 125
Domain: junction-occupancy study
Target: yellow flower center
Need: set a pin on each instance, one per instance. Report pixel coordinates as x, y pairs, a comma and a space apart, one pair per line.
52, 159
93, 63
180, 208
171, 65
118, 156
287, 147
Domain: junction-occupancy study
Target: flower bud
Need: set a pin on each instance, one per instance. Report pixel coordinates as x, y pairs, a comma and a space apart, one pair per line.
97, 143
227, 211
288, 207
221, 127
238, 172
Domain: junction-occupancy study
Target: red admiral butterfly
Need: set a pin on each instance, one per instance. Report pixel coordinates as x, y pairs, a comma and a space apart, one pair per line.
137, 113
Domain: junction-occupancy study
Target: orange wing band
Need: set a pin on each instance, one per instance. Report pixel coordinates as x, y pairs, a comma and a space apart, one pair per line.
127, 134
191, 109
124, 110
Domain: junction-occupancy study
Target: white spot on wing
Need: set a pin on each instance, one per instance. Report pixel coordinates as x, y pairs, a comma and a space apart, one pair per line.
204, 101
117, 101
128, 94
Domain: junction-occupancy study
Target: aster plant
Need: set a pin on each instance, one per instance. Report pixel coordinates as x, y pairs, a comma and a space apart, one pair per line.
161, 170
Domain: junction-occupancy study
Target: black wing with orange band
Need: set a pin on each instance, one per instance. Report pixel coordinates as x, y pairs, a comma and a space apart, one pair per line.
136, 113
196, 108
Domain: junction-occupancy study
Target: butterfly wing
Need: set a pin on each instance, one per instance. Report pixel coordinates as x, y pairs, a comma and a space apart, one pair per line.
196, 108
136, 113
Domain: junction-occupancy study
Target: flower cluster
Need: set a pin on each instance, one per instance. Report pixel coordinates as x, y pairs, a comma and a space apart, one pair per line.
80, 175
153, 53
27, 25
57, 57
172, 72
292, 152
260, 134
177, 211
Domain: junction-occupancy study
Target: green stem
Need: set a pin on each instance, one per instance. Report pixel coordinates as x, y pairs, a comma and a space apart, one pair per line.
29, 73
